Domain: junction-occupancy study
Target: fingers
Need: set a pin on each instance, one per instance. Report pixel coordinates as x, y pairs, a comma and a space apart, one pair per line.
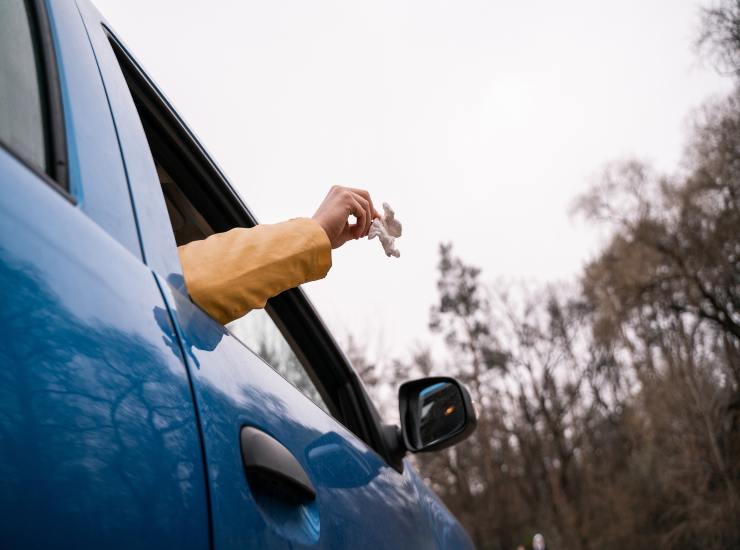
346, 234
368, 209
365, 195
360, 209
339, 203
360, 206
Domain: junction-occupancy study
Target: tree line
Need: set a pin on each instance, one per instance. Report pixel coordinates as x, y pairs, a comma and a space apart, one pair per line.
609, 407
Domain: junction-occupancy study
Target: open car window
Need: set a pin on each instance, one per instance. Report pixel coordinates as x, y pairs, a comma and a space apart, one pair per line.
256, 329
201, 202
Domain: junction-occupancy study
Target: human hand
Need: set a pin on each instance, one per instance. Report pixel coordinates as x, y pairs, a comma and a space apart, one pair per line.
339, 204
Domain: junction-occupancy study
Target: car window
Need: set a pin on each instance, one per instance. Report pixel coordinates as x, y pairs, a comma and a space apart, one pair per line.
256, 330
23, 121
181, 190
200, 202
259, 332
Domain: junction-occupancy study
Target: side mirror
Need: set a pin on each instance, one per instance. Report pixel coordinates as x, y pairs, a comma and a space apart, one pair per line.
436, 413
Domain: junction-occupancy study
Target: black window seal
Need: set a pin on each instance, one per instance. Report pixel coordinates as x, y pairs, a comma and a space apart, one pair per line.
53, 90
293, 312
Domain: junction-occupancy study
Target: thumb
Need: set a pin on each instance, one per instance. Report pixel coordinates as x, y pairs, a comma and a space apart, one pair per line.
346, 234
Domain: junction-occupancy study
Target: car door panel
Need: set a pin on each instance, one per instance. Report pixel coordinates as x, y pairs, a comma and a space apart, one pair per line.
99, 444
361, 501
448, 532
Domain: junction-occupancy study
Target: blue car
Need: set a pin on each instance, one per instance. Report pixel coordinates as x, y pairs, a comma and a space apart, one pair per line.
128, 417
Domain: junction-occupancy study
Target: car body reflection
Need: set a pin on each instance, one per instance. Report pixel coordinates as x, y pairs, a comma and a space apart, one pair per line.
98, 438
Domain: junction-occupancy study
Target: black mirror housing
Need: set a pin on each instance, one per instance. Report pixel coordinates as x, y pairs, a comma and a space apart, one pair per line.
436, 413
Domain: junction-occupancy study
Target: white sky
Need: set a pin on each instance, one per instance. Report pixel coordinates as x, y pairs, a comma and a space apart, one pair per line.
478, 121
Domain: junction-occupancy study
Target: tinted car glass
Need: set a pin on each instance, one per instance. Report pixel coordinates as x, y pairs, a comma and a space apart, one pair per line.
22, 99
258, 331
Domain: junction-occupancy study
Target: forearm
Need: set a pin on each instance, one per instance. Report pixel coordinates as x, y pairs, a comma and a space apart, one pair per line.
231, 273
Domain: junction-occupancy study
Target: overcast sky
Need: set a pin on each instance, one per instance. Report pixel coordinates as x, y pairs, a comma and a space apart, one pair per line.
478, 121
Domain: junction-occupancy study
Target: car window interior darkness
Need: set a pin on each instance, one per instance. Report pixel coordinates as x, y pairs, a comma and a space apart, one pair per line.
187, 223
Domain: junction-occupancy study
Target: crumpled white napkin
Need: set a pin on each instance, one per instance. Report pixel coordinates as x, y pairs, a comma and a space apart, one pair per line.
387, 229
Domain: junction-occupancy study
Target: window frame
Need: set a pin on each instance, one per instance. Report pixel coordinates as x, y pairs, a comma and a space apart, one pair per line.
52, 107
291, 311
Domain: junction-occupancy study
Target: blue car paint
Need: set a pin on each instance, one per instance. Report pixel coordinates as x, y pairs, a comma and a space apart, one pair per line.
99, 444
121, 467
447, 530
96, 172
160, 253
362, 502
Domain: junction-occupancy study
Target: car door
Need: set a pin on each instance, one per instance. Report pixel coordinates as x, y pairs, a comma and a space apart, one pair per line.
360, 500
99, 443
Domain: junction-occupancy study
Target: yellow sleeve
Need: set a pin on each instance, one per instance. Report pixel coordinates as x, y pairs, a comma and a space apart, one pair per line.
231, 273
